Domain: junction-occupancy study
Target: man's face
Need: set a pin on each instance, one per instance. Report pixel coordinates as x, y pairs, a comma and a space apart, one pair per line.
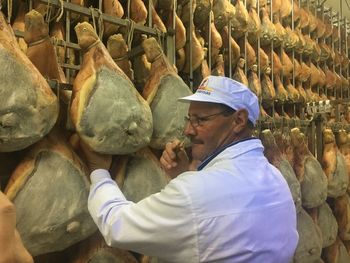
210, 133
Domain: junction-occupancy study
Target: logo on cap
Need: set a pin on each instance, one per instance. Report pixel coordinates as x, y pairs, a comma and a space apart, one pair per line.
203, 88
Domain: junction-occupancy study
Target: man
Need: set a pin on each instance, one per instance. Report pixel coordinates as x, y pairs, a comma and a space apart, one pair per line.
235, 208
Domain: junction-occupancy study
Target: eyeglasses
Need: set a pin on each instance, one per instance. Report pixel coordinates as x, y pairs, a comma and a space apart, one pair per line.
199, 121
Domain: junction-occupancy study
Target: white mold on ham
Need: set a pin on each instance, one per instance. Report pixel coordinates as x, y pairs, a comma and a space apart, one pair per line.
29, 108
107, 111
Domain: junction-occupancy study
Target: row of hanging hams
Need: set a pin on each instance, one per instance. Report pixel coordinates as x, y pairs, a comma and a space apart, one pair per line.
315, 79
135, 121
320, 191
137, 98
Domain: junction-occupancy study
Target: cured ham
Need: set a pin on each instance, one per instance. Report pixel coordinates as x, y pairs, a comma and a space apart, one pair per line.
29, 108
235, 49
254, 81
142, 175
309, 172
264, 61
285, 9
336, 253
107, 111
118, 50
219, 68
161, 91
224, 11
268, 91
11, 246
251, 56
268, 30
334, 166
281, 93
197, 53
40, 49
113, 8
138, 11
287, 65
52, 170
95, 249
343, 142
275, 157
293, 93
320, 29
242, 18
310, 240
18, 24
280, 31
341, 210
239, 72
201, 13
328, 224
254, 24
301, 91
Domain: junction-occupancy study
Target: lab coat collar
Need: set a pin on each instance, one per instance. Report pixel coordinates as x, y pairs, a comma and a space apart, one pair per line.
234, 149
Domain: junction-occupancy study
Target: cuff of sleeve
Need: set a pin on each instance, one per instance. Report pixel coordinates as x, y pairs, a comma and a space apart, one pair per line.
98, 175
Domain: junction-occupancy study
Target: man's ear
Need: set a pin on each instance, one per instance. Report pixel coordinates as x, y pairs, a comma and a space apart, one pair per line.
240, 120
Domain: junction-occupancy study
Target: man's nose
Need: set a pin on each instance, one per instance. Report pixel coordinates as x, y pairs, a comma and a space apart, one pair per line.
189, 129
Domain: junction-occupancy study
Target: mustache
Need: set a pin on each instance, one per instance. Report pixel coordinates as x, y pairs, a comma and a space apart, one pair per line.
193, 140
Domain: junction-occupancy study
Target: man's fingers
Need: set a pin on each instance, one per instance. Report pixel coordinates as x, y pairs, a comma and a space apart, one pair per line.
168, 160
182, 155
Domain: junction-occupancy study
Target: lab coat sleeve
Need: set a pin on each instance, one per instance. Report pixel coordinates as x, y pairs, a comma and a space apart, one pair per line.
160, 225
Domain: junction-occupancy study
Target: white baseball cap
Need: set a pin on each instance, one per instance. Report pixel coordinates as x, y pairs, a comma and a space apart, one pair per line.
229, 92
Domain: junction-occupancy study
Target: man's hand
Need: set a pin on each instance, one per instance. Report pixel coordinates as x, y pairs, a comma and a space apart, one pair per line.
174, 159
95, 160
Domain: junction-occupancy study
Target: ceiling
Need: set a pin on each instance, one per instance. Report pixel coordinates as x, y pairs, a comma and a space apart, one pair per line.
336, 4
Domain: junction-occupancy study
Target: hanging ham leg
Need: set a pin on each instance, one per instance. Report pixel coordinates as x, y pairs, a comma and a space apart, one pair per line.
341, 212
40, 49
239, 72
334, 166
11, 246
275, 157
293, 93
281, 93
19, 25
107, 111
113, 8
268, 30
95, 249
235, 49
138, 11
254, 81
343, 142
118, 50
28, 109
161, 91
197, 53
51, 175
309, 172
310, 240
242, 17
254, 24
268, 91
219, 68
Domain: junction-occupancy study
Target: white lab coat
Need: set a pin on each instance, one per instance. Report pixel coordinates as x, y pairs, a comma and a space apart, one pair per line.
238, 208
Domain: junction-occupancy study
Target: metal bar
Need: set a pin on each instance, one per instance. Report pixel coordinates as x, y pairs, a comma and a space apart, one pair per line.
229, 49
190, 44
245, 46
70, 66
209, 39
67, 39
149, 7
107, 18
